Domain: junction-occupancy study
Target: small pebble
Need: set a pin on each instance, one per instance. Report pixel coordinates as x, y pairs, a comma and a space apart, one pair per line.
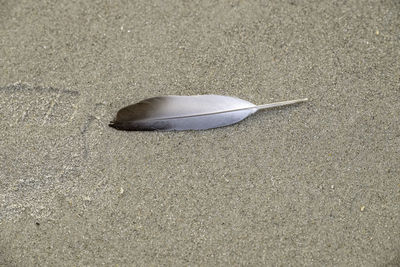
362, 208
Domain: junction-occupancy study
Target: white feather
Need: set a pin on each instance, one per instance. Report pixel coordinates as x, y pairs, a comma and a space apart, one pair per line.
187, 112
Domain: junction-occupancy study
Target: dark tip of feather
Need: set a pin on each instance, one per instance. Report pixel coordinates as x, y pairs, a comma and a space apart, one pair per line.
112, 124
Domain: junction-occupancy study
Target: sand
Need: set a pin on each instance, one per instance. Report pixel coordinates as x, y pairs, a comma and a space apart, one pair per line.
315, 184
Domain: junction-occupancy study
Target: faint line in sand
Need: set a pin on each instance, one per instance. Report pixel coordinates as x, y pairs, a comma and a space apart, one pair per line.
50, 109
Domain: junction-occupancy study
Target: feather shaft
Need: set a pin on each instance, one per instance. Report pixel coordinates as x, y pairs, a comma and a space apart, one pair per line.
281, 104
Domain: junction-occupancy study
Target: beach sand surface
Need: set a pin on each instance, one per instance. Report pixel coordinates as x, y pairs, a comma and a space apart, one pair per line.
314, 184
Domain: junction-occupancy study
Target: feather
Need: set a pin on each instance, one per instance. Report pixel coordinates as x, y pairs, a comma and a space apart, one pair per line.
187, 113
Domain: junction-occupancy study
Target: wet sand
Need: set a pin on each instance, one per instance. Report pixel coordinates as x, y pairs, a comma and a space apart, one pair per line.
312, 184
